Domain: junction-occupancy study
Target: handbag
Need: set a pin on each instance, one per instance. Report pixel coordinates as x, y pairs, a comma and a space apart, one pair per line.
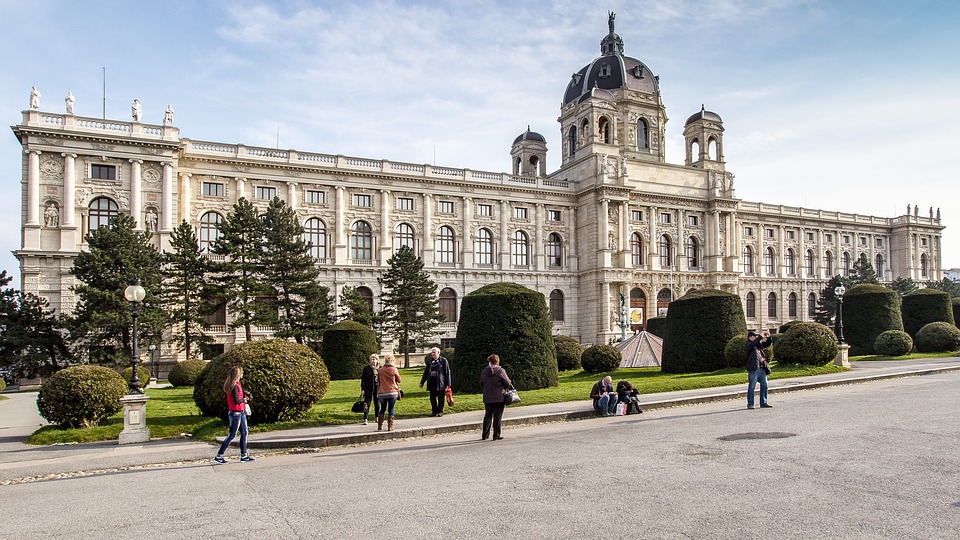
247, 410
510, 396
766, 367
358, 405
399, 393
450, 396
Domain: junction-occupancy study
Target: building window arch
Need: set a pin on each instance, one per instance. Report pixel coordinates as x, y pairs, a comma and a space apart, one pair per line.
790, 262
101, 211
448, 304
315, 234
878, 266
923, 265
828, 263
810, 263
361, 241
603, 130
846, 263
792, 306
585, 130
554, 250
695, 150
713, 149
769, 261
572, 140
403, 236
520, 249
748, 260
665, 249
772, 305
636, 249
692, 249
556, 305
366, 294
811, 304
483, 247
209, 231
643, 135
446, 245
751, 305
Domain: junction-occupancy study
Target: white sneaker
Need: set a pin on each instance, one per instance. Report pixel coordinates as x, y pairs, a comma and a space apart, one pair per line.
363, 423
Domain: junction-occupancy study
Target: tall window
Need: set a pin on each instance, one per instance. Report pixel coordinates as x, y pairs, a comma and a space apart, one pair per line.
636, 249
483, 247
811, 304
448, 304
828, 263
810, 263
790, 263
604, 130
666, 252
556, 305
692, 249
772, 306
209, 231
751, 306
265, 193
878, 266
846, 263
520, 249
554, 250
923, 265
102, 210
642, 135
747, 260
367, 295
792, 305
769, 261
403, 236
361, 241
446, 243
315, 234
572, 139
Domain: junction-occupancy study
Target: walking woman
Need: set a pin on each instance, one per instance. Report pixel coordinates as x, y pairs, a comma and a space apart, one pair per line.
368, 385
494, 382
388, 379
236, 414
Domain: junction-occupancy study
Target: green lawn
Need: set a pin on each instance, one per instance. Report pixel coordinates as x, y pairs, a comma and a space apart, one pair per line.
911, 356
171, 412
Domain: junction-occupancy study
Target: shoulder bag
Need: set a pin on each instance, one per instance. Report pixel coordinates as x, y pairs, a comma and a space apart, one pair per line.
358, 405
510, 396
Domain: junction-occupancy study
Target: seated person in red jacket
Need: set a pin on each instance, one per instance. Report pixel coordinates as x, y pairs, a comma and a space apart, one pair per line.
604, 398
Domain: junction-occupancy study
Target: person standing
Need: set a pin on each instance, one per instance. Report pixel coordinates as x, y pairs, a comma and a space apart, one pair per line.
757, 367
603, 396
236, 413
368, 385
388, 379
494, 382
437, 376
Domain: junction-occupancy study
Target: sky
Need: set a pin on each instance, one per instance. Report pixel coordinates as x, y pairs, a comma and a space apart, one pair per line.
827, 104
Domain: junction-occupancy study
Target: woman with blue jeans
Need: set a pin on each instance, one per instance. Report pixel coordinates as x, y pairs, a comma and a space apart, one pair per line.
388, 391
236, 413
756, 364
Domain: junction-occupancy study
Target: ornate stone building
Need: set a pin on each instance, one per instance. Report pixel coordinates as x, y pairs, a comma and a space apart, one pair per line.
614, 219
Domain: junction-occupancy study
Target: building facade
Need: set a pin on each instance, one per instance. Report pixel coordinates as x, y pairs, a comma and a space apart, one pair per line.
614, 221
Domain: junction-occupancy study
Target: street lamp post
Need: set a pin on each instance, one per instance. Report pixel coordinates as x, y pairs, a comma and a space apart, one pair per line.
134, 293
839, 292
135, 428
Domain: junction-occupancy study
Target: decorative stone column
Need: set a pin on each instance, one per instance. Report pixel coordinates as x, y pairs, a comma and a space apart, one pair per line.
186, 196
166, 210
135, 428
843, 357
292, 195
33, 187
136, 203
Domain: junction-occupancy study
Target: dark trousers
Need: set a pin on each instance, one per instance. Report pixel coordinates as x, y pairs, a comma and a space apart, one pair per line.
493, 412
367, 398
436, 397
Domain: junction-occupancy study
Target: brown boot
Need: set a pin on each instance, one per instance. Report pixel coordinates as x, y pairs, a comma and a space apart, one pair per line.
390, 423
379, 422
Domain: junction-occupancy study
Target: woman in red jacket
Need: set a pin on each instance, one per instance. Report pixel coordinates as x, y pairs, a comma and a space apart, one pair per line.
236, 413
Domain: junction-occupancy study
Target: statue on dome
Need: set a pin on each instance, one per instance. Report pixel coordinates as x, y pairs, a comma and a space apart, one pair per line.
69, 101
137, 110
34, 98
610, 20
168, 116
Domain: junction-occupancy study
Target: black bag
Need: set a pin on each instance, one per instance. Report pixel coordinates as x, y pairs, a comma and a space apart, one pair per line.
510, 396
358, 405
766, 367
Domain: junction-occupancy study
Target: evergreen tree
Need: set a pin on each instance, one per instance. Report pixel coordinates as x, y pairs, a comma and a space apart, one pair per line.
410, 305
356, 308
101, 322
185, 292
826, 312
946, 285
241, 235
904, 286
31, 336
862, 272
302, 307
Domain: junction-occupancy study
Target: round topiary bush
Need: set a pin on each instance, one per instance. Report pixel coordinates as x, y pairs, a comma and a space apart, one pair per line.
284, 378
807, 343
346, 348
785, 327
185, 373
925, 306
735, 351
569, 352
893, 343
656, 326
601, 358
142, 372
81, 396
868, 311
938, 337
691, 345
513, 322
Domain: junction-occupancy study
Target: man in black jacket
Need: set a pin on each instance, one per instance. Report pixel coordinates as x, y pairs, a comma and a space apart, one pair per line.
437, 376
757, 367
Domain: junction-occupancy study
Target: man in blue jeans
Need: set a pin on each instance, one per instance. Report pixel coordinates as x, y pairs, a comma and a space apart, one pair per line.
757, 367
604, 397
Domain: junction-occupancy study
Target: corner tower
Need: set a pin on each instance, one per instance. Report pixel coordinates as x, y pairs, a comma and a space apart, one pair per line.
529, 154
703, 138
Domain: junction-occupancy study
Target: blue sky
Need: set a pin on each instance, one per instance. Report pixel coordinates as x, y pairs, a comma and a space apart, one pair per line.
838, 105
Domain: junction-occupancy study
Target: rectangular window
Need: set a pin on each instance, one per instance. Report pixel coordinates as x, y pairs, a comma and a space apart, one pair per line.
863, 240
879, 242
553, 215
404, 203
665, 217
810, 237
748, 231
444, 207
314, 197
636, 215
789, 235
828, 237
363, 201
265, 193
769, 233
103, 172
923, 241
846, 239
693, 220
212, 189
484, 210
520, 212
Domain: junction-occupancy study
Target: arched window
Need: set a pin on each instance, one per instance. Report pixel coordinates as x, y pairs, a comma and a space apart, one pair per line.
769, 261
692, 249
483, 247
403, 236
713, 149
556, 305
585, 130
695, 150
446, 245
315, 234
572, 139
790, 262
367, 295
554, 250
878, 266
810, 263
792, 306
846, 263
747, 260
772, 306
361, 241
535, 165
665, 248
923, 265
448, 304
636, 249
643, 137
520, 249
751, 306
102, 210
604, 130
209, 231
811, 304
828, 263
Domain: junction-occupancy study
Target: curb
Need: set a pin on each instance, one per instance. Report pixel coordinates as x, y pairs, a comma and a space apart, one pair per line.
566, 416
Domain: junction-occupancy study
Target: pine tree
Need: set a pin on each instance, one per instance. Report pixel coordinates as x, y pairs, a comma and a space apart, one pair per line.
31, 336
946, 285
355, 307
241, 235
302, 307
410, 305
904, 286
862, 272
827, 303
185, 291
101, 321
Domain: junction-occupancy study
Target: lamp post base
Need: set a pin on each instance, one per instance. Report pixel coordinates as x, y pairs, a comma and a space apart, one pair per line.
843, 357
134, 419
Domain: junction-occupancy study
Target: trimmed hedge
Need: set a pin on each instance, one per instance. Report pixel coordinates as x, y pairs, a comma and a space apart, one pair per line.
285, 379
868, 311
785, 327
699, 326
185, 373
735, 351
346, 349
656, 326
142, 372
925, 306
938, 337
893, 343
601, 359
569, 352
807, 343
513, 322
955, 303
81, 396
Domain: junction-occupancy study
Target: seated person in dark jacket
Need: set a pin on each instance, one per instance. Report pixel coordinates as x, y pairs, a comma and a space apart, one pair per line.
603, 396
627, 393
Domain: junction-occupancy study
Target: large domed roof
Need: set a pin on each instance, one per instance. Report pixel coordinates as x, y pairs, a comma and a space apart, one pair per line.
611, 71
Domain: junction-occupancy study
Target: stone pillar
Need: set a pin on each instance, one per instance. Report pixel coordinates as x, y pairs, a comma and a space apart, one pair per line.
505, 240
537, 253
33, 188
136, 193
427, 248
626, 260
292, 195
166, 210
572, 251
653, 261
467, 242
843, 357
241, 189
681, 254
69, 211
340, 240
135, 428
386, 245
186, 196
781, 255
